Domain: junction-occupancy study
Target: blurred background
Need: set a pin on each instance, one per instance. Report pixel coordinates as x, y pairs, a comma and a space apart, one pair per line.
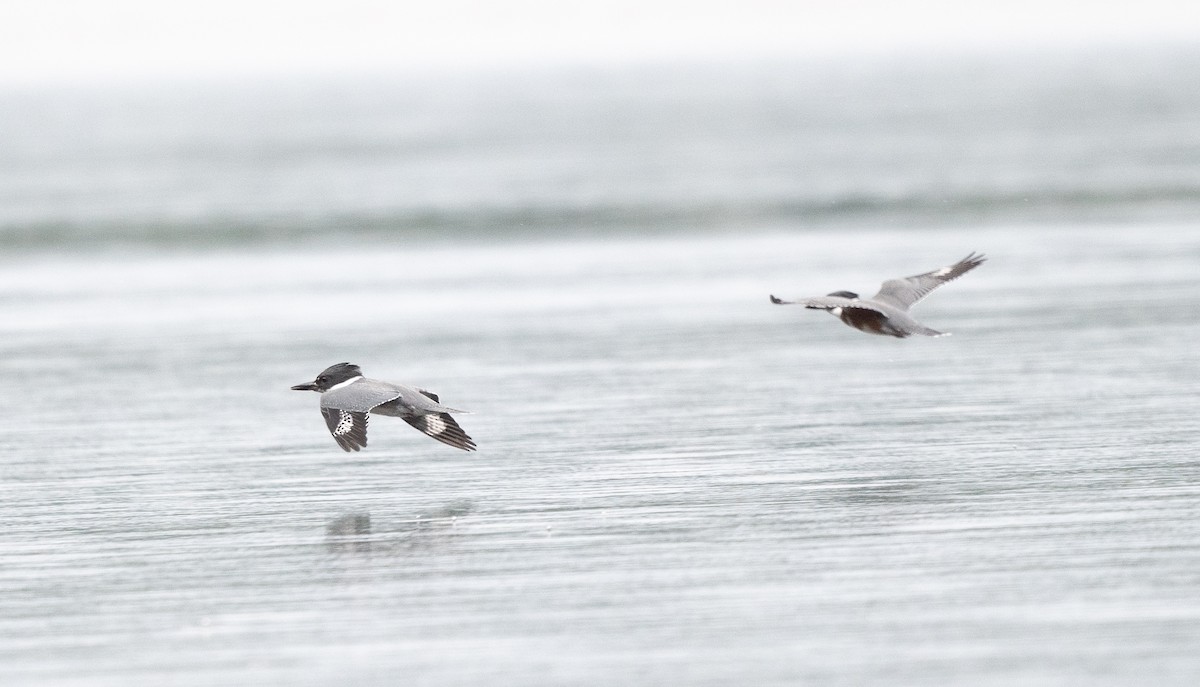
567, 218
264, 121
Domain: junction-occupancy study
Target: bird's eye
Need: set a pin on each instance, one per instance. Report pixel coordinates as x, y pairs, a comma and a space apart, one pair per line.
322, 379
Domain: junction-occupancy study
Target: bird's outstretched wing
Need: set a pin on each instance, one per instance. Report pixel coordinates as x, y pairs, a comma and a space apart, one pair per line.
826, 303
444, 428
904, 293
349, 428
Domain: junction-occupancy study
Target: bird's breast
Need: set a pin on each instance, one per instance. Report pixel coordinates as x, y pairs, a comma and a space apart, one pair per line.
869, 321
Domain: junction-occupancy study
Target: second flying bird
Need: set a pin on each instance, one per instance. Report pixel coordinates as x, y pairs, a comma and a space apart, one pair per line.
886, 313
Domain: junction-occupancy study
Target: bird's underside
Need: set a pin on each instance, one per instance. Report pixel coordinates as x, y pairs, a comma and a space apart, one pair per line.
870, 321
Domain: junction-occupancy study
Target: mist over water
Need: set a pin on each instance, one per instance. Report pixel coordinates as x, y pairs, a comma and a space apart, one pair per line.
676, 482
1094, 136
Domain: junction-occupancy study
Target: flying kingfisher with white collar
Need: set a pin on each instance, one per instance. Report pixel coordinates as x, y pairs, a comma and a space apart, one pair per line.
347, 398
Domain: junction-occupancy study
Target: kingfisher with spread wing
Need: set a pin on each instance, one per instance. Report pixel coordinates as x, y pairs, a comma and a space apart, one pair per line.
347, 398
886, 313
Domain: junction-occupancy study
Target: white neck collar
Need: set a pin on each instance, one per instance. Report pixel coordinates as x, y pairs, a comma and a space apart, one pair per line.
348, 382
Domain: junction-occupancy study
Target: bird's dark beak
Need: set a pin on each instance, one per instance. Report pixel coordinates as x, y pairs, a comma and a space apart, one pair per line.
305, 387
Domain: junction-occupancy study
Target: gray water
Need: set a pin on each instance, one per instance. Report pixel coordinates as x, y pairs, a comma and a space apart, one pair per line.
676, 482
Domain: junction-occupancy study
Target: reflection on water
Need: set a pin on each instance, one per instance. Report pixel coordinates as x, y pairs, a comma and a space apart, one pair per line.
349, 533
353, 533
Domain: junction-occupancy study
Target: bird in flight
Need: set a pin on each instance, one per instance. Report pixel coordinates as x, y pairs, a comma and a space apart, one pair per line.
347, 398
886, 313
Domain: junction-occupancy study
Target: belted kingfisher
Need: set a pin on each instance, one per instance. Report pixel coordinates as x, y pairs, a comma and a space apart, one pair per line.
886, 312
347, 397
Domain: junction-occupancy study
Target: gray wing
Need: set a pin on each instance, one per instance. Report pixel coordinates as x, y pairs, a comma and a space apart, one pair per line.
349, 428
361, 396
442, 427
903, 293
345, 410
827, 303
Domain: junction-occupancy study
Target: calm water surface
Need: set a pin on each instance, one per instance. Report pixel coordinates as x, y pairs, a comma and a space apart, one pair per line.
677, 483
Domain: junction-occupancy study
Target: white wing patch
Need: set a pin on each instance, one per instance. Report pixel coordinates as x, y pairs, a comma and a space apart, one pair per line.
444, 428
434, 424
349, 428
344, 425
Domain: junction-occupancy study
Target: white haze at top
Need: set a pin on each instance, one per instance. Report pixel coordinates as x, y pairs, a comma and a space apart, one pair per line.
76, 41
